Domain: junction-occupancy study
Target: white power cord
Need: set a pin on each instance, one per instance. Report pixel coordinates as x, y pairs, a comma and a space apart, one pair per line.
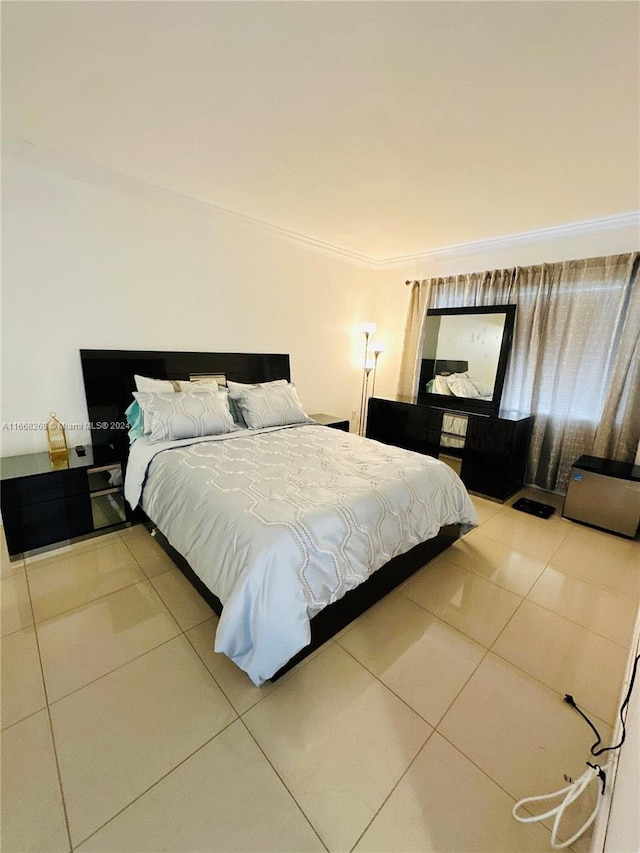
571, 793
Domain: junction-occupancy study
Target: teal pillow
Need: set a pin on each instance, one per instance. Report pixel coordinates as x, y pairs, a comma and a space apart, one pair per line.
135, 419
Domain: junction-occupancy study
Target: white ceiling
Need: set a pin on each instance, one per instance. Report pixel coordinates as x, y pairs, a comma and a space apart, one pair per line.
385, 128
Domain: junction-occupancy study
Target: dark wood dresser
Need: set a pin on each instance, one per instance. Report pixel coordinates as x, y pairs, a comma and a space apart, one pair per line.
492, 453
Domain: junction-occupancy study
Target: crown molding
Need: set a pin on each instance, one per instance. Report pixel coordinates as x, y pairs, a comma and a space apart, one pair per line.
108, 179
116, 181
511, 241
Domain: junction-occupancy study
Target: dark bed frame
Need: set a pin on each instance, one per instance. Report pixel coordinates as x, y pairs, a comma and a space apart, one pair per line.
108, 380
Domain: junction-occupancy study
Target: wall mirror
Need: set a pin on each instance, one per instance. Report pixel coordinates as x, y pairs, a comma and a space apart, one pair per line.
464, 357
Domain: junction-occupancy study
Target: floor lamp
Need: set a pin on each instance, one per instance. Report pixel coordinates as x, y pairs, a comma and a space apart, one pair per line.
376, 349
367, 329
369, 365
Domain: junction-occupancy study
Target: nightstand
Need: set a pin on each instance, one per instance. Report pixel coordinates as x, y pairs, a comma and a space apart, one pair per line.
331, 421
44, 505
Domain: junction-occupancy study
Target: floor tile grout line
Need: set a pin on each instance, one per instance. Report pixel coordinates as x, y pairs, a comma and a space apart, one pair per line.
386, 686
507, 623
486, 651
579, 624
22, 719
495, 582
398, 781
175, 618
91, 601
560, 616
16, 571
164, 554
576, 574
455, 699
522, 551
204, 663
492, 650
166, 642
51, 555
253, 705
115, 669
157, 782
284, 784
553, 689
404, 701
48, 710
511, 796
468, 636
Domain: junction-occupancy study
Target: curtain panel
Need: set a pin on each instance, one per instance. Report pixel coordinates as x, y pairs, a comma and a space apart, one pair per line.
575, 358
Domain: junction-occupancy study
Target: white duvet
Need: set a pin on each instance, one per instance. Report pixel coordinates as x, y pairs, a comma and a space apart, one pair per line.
280, 523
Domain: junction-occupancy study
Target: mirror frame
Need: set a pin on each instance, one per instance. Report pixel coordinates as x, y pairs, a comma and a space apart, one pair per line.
469, 404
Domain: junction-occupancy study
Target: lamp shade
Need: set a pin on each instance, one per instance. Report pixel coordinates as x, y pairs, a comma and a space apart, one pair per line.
377, 348
367, 328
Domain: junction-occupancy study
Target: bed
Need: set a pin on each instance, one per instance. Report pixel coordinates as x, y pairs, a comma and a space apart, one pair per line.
289, 531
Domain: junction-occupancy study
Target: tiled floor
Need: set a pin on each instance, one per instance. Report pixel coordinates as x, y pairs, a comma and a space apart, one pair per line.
414, 730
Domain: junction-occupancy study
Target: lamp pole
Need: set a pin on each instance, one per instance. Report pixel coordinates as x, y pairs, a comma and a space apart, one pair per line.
367, 329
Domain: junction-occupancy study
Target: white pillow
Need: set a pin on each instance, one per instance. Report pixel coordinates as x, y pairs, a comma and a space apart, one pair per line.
484, 389
461, 386
154, 386
185, 415
146, 384
275, 405
441, 386
236, 388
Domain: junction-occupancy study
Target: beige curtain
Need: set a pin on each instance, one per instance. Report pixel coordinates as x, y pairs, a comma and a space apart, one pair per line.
575, 360
418, 304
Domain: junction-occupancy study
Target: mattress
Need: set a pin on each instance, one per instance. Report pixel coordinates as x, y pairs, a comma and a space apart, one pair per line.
280, 523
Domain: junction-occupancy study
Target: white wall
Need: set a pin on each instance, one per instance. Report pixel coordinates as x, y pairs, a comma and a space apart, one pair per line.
89, 267
392, 297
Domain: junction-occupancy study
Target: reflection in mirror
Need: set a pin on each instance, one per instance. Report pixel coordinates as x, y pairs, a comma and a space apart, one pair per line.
464, 355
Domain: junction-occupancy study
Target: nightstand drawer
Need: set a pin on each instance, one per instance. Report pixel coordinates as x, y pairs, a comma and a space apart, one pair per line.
43, 487
32, 526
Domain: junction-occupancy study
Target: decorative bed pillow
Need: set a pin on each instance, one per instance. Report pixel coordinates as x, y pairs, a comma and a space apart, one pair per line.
146, 384
461, 386
135, 419
484, 389
274, 405
155, 386
185, 415
236, 388
441, 386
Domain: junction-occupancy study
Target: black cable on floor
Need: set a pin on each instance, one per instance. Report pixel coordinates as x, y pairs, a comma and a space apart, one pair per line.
594, 749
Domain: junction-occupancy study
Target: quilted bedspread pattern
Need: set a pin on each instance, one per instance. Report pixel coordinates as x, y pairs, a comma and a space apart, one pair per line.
281, 523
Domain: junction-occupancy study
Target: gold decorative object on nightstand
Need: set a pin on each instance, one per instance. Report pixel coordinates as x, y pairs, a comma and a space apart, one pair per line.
57, 440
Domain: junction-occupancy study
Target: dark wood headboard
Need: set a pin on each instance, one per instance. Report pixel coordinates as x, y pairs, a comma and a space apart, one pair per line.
109, 384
